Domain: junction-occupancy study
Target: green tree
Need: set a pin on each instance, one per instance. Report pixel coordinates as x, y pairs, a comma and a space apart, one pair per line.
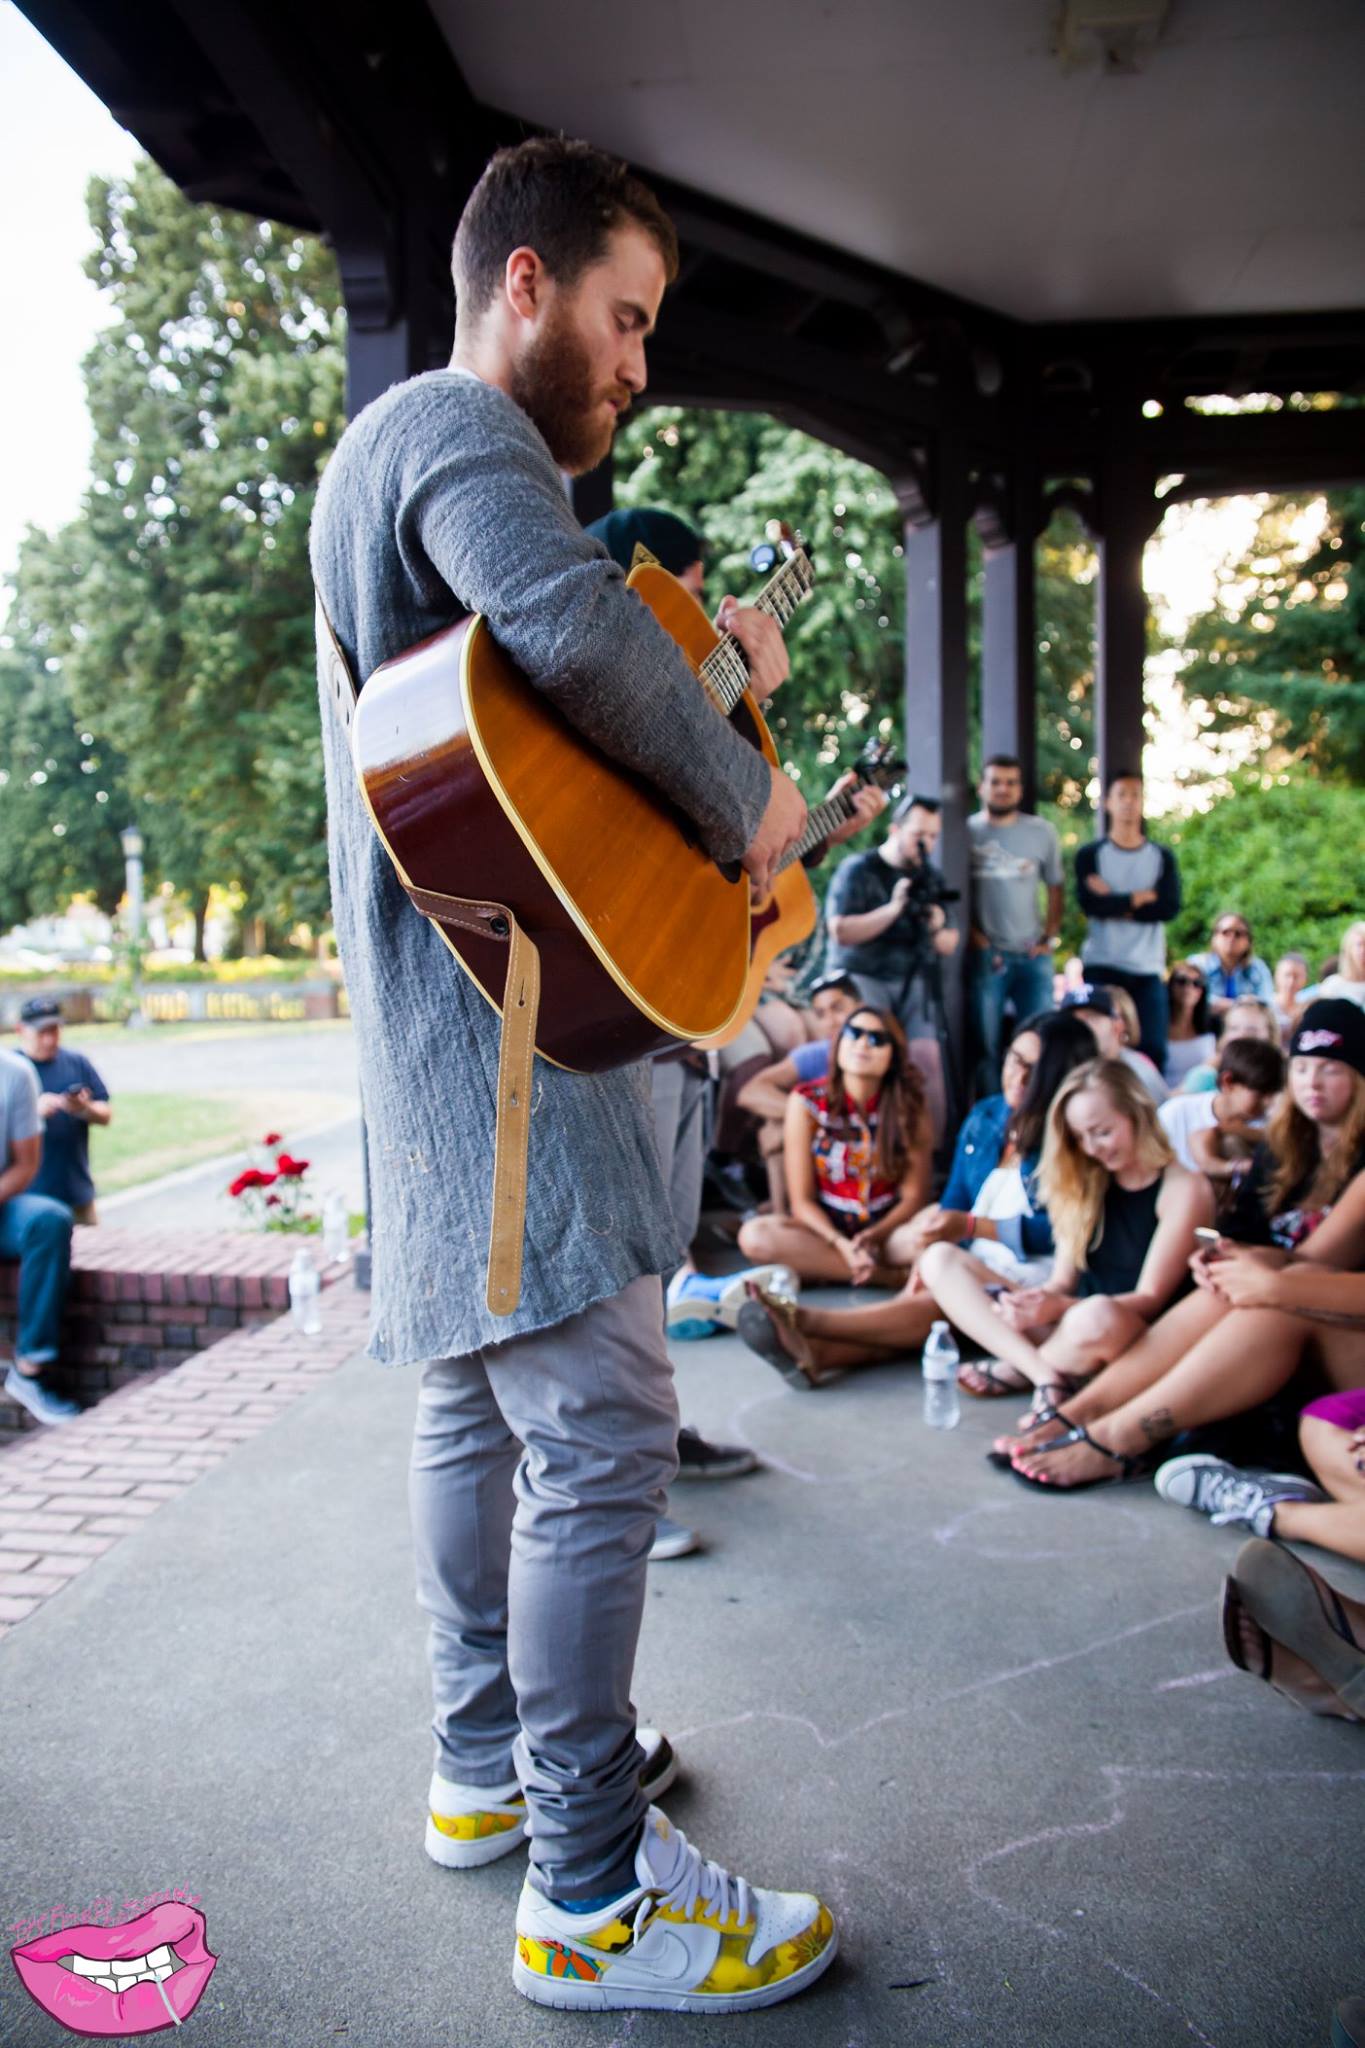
62, 801
182, 606
730, 474
1284, 648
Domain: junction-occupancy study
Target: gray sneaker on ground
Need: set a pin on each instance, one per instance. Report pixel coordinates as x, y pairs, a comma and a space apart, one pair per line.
43, 1402
1226, 1493
671, 1539
699, 1459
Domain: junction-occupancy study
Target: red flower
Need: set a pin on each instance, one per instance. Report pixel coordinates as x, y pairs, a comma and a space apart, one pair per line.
290, 1168
272, 1137
251, 1178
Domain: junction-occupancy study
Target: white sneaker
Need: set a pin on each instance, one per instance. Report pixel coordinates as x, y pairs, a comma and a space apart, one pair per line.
44, 1403
672, 1539
472, 1824
688, 1937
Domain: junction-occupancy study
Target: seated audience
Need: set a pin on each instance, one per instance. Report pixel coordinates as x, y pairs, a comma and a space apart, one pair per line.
857, 1161
1346, 981
990, 1202
1212, 1133
1248, 1018
1123, 1214
1231, 966
72, 1097
1130, 1034
1190, 1038
35, 1230
1214, 1354
833, 999
1291, 981
1331, 1428
1098, 1007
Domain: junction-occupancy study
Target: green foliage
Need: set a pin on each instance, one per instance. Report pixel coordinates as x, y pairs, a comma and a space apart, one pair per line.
1287, 856
61, 793
1286, 644
181, 602
729, 474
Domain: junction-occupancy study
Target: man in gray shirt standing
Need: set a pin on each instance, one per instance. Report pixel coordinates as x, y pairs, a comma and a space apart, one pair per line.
1129, 888
1013, 854
545, 1439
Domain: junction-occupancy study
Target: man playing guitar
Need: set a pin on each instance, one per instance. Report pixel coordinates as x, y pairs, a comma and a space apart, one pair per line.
545, 1439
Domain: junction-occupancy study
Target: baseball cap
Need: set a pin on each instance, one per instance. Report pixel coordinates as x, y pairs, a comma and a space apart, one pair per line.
1089, 997
40, 1010
1332, 1029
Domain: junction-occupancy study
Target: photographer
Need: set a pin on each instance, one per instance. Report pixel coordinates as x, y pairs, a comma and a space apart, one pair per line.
888, 927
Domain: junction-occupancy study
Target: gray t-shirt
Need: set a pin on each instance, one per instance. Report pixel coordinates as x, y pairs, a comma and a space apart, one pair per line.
1124, 942
19, 1118
1008, 863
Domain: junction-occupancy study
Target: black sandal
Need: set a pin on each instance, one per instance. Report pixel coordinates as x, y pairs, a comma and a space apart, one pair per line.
1037, 1417
988, 1369
1129, 1468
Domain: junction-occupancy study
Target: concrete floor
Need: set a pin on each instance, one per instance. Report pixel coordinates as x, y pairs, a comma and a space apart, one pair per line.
996, 1731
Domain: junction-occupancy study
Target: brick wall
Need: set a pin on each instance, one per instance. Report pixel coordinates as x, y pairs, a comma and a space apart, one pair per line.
140, 1301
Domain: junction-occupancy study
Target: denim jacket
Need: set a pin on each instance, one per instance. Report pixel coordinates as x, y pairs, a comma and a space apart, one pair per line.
980, 1143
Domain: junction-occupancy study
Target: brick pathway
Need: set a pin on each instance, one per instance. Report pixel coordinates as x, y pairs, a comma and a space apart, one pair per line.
67, 1494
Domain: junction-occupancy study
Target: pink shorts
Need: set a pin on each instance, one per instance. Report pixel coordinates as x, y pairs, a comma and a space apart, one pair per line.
1343, 1411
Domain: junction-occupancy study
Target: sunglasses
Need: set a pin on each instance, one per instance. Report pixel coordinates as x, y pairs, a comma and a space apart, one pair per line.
868, 1036
1232, 931
1186, 981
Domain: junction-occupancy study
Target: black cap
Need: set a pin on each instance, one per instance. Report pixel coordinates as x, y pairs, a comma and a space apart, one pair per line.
1333, 1029
669, 539
40, 1010
1089, 997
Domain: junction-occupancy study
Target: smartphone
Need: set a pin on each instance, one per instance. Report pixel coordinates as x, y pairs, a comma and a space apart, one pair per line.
1208, 1238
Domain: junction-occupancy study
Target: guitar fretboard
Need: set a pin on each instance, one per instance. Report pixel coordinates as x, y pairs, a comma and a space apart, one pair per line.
724, 671
819, 824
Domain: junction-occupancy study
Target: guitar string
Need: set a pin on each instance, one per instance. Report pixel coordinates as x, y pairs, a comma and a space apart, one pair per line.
723, 670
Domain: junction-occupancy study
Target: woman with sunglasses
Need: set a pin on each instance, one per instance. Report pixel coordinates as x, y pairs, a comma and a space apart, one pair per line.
856, 1149
990, 1203
1191, 1039
1231, 968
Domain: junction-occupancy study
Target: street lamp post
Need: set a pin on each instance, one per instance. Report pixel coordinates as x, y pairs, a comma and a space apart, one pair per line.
131, 841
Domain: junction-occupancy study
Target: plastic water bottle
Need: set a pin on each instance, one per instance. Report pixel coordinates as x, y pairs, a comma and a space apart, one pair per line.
942, 1409
305, 1285
336, 1229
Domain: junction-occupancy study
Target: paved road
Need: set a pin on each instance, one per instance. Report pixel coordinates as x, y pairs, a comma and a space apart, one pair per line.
314, 1063
995, 1729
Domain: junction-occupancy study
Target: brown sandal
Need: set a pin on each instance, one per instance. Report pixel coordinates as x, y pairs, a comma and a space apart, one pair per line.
769, 1328
1291, 1606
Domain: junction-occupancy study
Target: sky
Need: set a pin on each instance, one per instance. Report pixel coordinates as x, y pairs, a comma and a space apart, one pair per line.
55, 135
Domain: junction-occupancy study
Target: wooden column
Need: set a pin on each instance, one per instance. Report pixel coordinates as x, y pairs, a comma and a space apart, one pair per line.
1009, 642
936, 687
1127, 514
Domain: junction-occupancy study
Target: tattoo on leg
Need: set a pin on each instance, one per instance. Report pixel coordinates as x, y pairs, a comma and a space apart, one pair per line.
1157, 1426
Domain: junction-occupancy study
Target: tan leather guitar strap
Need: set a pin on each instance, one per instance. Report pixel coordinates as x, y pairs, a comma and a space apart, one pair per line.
516, 1046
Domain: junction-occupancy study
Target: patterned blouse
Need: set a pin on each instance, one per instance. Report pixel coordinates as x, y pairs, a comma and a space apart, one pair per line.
843, 1147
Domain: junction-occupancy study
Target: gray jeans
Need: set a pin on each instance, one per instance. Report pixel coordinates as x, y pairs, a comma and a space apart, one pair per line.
539, 1469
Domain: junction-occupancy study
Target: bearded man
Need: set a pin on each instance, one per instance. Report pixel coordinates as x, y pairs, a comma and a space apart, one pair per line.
545, 1439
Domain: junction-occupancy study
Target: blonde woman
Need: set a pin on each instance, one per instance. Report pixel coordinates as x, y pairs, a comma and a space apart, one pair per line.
1123, 1215
1348, 983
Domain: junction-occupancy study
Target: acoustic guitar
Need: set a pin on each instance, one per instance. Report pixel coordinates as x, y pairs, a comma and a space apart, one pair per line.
786, 916
480, 789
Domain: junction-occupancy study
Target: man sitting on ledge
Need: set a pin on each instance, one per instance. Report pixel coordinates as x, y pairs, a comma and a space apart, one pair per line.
37, 1231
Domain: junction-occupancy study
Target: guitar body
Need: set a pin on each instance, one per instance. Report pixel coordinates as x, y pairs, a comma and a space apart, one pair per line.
481, 790
781, 921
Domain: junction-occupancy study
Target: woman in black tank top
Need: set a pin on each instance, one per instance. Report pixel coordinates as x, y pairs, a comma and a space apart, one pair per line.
1123, 1216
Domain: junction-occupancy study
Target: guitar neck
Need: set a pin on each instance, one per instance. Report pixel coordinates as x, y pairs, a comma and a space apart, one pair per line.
820, 822
725, 671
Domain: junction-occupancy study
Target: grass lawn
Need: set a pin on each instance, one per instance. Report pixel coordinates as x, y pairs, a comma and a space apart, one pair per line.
156, 1134
85, 1037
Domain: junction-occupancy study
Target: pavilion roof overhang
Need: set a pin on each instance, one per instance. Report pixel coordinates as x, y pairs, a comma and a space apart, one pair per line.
355, 121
